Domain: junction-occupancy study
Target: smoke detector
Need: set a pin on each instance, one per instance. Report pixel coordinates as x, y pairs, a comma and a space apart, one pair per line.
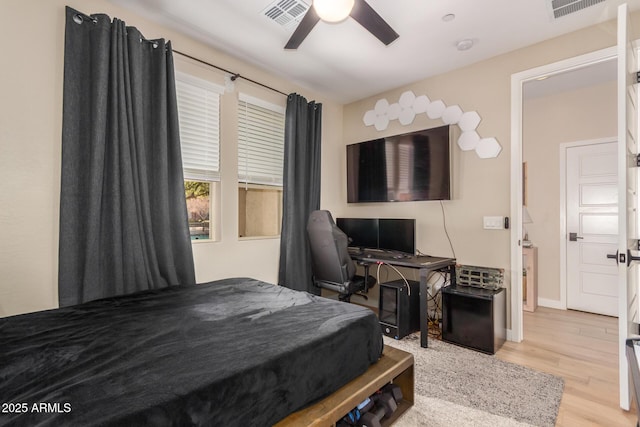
464, 44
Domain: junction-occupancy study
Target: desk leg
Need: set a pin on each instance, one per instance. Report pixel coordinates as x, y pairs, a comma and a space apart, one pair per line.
424, 321
452, 275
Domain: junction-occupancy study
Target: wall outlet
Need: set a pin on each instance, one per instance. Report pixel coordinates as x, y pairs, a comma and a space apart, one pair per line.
493, 222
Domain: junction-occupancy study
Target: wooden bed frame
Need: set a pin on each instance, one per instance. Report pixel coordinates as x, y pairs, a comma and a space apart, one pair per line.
395, 366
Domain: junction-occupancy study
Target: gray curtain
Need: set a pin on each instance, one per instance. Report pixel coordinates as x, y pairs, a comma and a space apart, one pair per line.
301, 192
123, 218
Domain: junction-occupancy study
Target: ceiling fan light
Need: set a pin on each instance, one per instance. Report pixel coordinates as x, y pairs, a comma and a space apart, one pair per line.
333, 10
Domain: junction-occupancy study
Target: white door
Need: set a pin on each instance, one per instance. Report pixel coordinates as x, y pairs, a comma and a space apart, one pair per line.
592, 227
627, 197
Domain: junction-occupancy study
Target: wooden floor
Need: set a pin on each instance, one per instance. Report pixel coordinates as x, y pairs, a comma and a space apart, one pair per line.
582, 348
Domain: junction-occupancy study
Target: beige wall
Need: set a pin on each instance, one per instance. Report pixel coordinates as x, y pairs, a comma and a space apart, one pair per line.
30, 127
575, 116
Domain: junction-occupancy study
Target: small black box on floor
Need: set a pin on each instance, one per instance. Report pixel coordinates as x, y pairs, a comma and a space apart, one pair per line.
399, 308
474, 317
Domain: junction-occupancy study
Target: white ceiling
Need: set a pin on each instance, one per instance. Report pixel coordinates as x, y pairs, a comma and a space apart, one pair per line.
345, 62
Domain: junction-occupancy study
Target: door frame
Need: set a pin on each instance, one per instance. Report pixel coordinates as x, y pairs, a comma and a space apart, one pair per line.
564, 147
517, 82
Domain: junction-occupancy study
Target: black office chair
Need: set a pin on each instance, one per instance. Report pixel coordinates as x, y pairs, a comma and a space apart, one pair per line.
332, 266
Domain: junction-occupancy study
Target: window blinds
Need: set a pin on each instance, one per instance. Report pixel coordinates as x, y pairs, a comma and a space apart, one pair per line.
260, 142
199, 115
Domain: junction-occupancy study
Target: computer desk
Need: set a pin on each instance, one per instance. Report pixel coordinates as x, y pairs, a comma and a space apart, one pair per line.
426, 264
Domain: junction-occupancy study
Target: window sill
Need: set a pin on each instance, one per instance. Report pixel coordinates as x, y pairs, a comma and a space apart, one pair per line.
202, 241
243, 239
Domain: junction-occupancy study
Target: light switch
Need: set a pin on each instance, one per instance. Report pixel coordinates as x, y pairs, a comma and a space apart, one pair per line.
493, 222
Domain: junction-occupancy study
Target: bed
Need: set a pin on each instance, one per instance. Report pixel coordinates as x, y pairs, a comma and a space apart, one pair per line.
235, 352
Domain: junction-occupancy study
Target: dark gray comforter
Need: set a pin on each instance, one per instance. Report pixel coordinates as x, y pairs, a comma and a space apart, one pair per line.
235, 352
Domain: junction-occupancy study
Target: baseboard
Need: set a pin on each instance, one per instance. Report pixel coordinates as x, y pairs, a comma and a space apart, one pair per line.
551, 303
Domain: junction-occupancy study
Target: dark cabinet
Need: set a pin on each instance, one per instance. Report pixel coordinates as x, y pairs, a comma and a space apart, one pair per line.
474, 317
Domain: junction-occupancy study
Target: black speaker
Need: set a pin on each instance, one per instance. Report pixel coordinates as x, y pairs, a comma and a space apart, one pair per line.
399, 308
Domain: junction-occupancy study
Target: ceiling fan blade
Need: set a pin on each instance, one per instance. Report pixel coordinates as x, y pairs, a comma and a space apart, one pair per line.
305, 26
369, 19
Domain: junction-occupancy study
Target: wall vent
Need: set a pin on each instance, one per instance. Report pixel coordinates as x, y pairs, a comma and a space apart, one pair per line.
286, 13
560, 8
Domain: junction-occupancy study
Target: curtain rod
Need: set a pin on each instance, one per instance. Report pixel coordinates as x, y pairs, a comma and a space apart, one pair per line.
234, 76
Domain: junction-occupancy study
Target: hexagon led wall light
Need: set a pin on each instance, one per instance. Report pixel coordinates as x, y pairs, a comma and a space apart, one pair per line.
381, 114
421, 103
488, 148
468, 140
394, 111
406, 99
451, 115
369, 118
435, 109
409, 105
469, 121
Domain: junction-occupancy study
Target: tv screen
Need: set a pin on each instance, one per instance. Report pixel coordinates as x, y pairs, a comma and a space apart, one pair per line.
408, 167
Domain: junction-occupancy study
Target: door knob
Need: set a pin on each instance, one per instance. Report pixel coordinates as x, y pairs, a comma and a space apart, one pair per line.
631, 258
573, 237
624, 258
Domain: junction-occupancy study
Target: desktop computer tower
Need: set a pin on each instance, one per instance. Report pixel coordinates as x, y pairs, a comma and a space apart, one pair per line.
399, 308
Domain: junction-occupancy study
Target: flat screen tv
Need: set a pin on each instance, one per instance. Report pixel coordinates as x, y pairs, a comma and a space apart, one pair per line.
409, 167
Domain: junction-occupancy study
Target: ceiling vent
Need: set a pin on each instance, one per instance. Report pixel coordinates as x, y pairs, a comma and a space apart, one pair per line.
560, 8
286, 13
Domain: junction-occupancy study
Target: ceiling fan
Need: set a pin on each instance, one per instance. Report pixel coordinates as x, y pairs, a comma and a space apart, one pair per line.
338, 10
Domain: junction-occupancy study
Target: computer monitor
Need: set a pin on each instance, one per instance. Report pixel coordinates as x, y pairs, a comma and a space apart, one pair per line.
397, 235
362, 232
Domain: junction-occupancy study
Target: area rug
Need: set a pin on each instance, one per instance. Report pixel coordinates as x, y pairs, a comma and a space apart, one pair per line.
462, 387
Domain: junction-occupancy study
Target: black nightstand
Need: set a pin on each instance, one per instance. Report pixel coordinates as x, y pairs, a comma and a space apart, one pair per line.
474, 317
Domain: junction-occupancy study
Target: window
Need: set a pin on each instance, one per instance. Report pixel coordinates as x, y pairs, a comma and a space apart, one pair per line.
260, 167
199, 115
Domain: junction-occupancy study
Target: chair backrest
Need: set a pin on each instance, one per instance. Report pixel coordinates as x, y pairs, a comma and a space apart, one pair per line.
329, 249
